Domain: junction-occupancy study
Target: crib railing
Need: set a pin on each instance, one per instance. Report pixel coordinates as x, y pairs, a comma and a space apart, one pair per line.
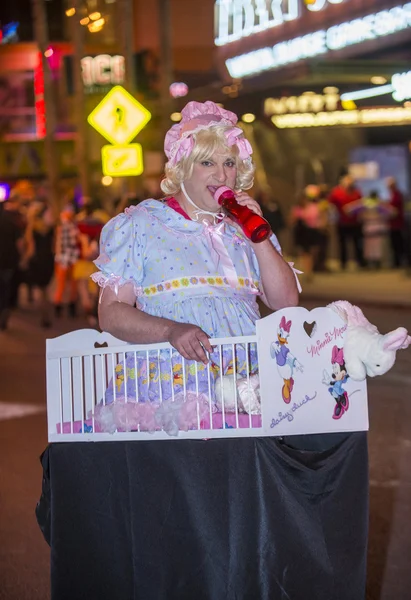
100, 388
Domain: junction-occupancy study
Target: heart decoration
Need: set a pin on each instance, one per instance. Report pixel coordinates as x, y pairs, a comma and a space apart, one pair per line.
310, 328
103, 345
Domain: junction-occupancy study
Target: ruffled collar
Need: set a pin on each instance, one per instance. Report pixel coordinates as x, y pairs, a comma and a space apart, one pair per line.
178, 220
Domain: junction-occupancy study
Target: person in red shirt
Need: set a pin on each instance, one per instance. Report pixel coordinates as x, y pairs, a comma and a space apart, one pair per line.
349, 226
397, 222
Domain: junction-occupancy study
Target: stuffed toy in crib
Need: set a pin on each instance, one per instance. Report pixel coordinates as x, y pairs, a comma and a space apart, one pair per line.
366, 352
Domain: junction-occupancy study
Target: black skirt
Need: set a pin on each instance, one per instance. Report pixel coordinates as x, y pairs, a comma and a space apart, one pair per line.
239, 519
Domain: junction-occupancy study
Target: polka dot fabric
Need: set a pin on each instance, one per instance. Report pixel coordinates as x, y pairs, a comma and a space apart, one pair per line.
175, 272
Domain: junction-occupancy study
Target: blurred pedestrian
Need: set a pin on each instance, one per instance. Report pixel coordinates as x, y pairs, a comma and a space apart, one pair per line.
349, 226
67, 253
16, 209
90, 222
374, 215
10, 247
271, 210
397, 223
305, 223
38, 256
319, 195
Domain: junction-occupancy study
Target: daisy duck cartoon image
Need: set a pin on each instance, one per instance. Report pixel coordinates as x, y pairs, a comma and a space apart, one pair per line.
336, 382
286, 362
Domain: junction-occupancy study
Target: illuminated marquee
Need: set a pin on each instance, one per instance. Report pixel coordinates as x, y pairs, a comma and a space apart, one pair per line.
236, 19
307, 102
340, 118
370, 27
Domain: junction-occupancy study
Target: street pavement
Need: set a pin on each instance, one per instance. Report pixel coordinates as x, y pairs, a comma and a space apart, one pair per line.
24, 556
390, 288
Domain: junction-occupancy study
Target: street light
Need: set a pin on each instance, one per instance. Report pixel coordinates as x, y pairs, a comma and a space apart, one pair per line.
248, 118
176, 117
96, 26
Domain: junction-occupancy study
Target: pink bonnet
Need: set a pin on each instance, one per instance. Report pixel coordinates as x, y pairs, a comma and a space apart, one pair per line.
196, 116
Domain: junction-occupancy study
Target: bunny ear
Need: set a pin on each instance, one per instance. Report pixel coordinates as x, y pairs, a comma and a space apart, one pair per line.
396, 340
352, 315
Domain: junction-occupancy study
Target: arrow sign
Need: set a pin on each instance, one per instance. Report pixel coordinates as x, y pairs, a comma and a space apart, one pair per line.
122, 161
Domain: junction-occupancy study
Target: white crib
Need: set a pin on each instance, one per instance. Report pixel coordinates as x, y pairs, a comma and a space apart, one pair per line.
94, 379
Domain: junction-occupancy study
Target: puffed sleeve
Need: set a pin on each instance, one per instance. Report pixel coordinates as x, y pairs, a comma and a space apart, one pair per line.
121, 253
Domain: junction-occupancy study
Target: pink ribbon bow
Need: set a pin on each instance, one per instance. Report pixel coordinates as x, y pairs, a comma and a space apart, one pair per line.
218, 251
184, 148
337, 356
285, 325
233, 139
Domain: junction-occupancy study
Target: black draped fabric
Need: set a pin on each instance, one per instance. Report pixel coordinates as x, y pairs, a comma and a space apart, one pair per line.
238, 519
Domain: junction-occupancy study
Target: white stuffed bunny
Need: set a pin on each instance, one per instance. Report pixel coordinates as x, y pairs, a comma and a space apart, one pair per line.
248, 394
366, 351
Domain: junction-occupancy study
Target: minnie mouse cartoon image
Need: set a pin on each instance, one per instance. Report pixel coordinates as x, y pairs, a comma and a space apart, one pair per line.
336, 381
286, 362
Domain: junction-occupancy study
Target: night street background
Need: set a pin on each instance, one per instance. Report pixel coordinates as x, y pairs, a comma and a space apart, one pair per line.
24, 556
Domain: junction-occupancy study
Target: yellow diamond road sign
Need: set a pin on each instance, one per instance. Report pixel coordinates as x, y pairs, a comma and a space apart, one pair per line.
121, 161
119, 117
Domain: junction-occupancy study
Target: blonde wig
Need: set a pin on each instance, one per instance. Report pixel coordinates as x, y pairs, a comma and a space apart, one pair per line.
206, 143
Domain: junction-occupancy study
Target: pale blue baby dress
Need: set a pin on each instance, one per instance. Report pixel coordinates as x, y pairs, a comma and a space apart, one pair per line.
186, 271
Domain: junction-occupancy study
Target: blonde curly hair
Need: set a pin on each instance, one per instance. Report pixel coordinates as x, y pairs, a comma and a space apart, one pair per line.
206, 143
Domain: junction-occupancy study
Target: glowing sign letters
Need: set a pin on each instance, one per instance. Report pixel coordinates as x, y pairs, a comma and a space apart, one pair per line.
401, 85
235, 19
102, 70
307, 102
370, 27
119, 117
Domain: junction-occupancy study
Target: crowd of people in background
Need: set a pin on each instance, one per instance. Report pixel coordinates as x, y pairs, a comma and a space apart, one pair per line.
366, 223
52, 254
38, 247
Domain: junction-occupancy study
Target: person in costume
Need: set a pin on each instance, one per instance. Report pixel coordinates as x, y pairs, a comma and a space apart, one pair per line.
247, 518
179, 270
187, 267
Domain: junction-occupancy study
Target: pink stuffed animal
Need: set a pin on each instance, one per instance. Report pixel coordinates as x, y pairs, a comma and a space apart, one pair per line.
366, 351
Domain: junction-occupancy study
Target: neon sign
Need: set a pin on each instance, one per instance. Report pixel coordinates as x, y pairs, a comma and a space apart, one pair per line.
339, 118
401, 86
307, 102
337, 37
8, 33
236, 19
39, 102
102, 70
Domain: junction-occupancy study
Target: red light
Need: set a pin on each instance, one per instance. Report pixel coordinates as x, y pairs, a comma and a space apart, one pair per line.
39, 98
